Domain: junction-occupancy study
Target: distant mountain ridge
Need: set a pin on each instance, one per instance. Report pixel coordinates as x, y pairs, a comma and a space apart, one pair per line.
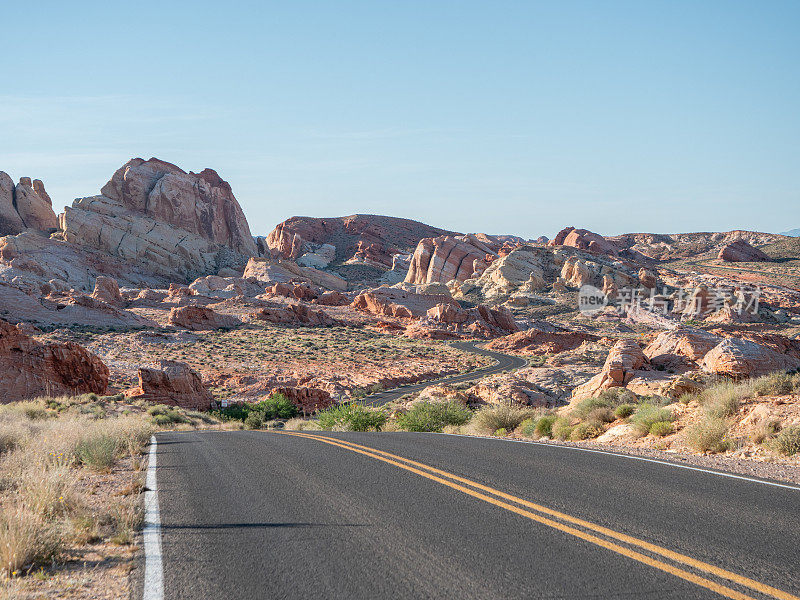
792, 232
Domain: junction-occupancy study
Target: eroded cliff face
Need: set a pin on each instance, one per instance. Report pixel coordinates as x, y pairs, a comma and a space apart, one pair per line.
160, 218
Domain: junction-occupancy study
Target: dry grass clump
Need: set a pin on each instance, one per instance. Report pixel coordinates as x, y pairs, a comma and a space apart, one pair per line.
300, 424
26, 538
48, 447
788, 441
502, 416
711, 434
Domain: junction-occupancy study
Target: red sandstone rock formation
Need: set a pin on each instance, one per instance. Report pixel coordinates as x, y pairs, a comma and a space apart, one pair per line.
583, 239
106, 290
541, 340
174, 384
624, 359
25, 206
200, 318
29, 368
364, 238
447, 258
741, 251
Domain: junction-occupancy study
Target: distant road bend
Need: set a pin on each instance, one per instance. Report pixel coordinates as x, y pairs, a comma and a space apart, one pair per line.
262, 514
504, 362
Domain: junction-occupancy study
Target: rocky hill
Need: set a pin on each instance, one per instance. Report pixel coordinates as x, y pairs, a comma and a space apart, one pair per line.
152, 224
372, 240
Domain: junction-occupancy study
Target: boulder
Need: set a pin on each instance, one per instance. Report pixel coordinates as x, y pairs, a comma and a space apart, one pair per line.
106, 290
692, 344
741, 251
29, 368
332, 298
739, 358
621, 366
175, 384
200, 318
307, 399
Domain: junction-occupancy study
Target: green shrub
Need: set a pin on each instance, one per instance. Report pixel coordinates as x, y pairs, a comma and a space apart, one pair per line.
646, 415
253, 421
623, 411
97, 450
162, 415
352, 417
561, 428
277, 406
528, 427
501, 416
434, 416
586, 430
788, 441
544, 426
502, 432
541, 427
661, 428
709, 435
686, 398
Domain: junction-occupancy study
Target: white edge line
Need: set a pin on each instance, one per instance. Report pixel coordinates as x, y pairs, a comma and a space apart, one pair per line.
153, 568
632, 457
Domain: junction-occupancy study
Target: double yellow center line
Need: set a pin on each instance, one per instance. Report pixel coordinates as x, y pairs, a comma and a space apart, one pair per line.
569, 524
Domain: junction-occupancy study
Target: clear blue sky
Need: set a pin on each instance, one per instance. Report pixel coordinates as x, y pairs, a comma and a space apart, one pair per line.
504, 117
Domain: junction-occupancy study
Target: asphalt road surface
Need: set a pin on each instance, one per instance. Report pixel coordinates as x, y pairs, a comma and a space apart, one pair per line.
504, 362
261, 514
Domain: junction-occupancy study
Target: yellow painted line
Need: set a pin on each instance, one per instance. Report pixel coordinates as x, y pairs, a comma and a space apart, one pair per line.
675, 556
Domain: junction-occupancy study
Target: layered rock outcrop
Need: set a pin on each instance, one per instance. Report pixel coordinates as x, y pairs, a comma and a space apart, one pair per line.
29, 368
399, 303
583, 239
25, 206
370, 239
294, 314
175, 384
543, 338
200, 318
740, 358
272, 271
741, 251
156, 216
446, 258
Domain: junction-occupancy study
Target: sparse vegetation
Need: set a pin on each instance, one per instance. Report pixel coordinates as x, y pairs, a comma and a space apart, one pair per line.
434, 416
647, 415
711, 434
352, 417
502, 416
788, 441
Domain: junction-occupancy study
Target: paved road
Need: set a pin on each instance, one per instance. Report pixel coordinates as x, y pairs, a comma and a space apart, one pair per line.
258, 514
504, 362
